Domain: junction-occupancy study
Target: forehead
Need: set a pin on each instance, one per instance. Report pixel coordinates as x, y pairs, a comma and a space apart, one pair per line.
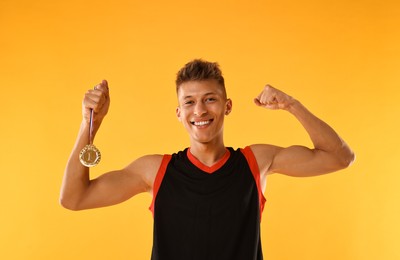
199, 88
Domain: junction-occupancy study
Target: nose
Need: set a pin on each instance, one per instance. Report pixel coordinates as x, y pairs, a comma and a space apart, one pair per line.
200, 109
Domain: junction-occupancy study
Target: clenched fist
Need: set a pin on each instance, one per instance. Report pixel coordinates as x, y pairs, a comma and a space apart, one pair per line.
273, 98
97, 99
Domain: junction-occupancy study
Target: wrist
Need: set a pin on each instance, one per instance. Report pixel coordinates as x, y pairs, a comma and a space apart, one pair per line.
293, 105
85, 128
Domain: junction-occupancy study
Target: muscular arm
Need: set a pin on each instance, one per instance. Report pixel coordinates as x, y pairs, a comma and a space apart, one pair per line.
78, 191
330, 153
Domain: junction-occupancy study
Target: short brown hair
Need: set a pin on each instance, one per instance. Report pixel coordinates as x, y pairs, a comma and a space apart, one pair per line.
197, 70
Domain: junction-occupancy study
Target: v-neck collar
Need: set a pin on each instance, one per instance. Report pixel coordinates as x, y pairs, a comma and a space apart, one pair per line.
205, 168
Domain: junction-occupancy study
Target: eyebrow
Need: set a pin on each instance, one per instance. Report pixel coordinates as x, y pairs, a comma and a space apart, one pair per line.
207, 94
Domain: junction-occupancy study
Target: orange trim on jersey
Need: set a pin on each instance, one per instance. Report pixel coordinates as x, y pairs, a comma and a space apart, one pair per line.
251, 160
208, 169
159, 177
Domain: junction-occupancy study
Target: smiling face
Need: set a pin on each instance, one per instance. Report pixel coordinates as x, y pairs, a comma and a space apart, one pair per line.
202, 108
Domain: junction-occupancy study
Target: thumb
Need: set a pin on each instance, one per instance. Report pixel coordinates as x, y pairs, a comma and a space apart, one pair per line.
103, 87
104, 83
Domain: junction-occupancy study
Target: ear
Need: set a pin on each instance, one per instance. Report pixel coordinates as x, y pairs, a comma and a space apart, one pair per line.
178, 113
228, 106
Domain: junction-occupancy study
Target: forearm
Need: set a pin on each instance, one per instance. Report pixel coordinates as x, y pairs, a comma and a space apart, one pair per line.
76, 176
323, 137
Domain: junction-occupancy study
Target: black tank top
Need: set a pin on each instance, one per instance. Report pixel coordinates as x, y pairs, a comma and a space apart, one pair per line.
207, 213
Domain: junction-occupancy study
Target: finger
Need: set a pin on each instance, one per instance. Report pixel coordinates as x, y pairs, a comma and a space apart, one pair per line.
266, 99
103, 89
94, 95
90, 101
262, 98
273, 104
103, 86
94, 99
257, 102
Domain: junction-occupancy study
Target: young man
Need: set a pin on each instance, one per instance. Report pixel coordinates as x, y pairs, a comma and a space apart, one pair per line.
208, 198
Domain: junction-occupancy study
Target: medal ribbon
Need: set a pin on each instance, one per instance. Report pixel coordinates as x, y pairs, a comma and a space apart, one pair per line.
91, 127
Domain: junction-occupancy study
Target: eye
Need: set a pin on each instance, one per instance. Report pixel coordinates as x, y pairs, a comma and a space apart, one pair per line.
188, 102
211, 99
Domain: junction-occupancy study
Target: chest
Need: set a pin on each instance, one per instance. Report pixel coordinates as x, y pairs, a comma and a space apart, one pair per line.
188, 191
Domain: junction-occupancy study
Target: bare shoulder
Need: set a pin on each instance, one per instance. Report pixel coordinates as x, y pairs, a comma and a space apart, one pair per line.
264, 154
146, 167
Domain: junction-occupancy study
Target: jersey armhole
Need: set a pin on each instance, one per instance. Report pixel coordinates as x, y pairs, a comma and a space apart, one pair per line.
158, 180
251, 160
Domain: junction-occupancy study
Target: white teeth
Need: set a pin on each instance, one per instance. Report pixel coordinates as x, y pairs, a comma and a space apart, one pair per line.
201, 123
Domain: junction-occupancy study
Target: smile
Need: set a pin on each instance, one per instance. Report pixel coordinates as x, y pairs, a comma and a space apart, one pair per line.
201, 123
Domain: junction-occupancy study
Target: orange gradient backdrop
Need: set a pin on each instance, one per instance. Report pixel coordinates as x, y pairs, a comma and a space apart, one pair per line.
339, 58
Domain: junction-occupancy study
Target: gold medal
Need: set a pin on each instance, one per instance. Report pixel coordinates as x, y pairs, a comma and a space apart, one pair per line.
90, 156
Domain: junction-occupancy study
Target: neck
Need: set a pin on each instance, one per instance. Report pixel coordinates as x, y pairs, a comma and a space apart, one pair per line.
208, 154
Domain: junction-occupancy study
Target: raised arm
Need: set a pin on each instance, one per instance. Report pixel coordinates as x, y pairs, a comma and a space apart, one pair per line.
78, 191
330, 153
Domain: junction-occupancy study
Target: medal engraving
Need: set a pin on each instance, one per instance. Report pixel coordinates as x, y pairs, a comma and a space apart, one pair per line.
90, 156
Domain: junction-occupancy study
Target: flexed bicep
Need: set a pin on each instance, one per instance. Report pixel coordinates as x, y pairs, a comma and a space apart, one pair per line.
301, 161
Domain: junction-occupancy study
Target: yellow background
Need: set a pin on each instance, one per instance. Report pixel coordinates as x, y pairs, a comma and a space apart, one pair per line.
340, 58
